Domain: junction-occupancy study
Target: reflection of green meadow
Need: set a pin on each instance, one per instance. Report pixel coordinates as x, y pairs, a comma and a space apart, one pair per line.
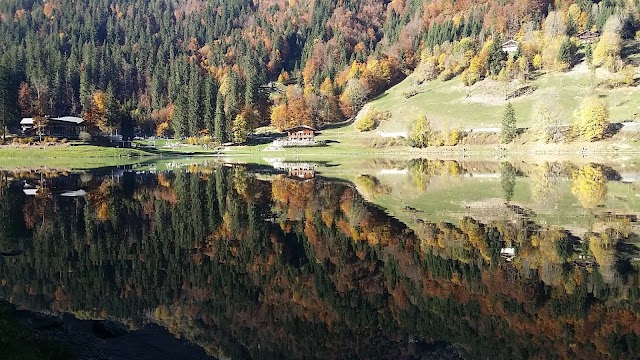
459, 188
448, 196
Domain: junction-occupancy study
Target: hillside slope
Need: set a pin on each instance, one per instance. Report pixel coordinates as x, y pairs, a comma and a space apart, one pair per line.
450, 104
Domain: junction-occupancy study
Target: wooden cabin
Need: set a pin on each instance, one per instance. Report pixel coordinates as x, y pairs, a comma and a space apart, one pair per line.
62, 127
302, 170
588, 37
510, 46
301, 133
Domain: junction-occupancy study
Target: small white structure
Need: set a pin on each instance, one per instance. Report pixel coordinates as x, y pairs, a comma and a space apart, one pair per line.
510, 46
508, 253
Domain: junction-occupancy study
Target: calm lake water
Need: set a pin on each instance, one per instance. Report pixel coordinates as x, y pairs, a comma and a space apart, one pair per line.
393, 259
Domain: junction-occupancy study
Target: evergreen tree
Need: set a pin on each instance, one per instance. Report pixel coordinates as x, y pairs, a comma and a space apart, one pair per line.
180, 116
195, 104
566, 51
209, 100
509, 129
253, 82
497, 57
112, 115
220, 120
8, 100
507, 179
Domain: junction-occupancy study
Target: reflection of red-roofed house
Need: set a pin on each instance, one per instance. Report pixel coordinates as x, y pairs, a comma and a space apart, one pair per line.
297, 170
301, 133
302, 171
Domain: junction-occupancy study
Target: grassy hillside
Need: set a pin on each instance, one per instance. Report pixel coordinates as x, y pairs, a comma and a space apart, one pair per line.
451, 105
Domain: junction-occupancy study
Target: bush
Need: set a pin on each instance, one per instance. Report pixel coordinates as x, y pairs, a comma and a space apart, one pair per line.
453, 137
50, 139
25, 140
205, 140
192, 140
85, 136
371, 120
446, 75
64, 141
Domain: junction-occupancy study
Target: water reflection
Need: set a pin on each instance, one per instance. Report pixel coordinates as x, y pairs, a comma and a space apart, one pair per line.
289, 266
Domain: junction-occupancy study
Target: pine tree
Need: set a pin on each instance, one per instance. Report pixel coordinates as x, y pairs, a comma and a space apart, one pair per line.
180, 116
507, 179
209, 100
8, 101
497, 57
220, 120
566, 51
252, 84
509, 129
111, 110
195, 104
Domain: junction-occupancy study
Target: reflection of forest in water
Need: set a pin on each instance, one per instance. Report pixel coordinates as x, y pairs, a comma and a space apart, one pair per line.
306, 268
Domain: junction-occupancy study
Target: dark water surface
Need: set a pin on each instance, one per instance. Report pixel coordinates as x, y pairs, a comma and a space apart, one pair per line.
425, 259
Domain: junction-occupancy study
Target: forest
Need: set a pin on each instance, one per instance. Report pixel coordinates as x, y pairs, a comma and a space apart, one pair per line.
220, 69
250, 268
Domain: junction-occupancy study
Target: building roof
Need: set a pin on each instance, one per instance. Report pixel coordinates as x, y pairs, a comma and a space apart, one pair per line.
69, 119
300, 127
66, 119
510, 43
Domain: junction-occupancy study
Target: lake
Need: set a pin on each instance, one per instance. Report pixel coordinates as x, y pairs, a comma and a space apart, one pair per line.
397, 259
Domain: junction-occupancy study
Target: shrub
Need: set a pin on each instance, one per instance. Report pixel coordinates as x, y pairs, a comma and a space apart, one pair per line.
64, 141
371, 120
205, 140
85, 136
50, 139
446, 75
453, 137
366, 123
628, 75
25, 140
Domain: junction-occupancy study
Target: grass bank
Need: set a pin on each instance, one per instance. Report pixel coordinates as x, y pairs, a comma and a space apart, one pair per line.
60, 151
69, 157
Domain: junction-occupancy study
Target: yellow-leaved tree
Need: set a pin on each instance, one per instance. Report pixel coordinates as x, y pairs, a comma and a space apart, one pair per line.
421, 133
591, 119
607, 52
589, 185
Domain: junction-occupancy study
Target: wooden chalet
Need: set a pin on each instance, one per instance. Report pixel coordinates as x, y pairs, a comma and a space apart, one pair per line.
510, 46
588, 37
301, 133
302, 171
63, 127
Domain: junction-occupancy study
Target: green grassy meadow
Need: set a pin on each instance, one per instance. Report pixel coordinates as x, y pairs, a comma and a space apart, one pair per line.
450, 104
